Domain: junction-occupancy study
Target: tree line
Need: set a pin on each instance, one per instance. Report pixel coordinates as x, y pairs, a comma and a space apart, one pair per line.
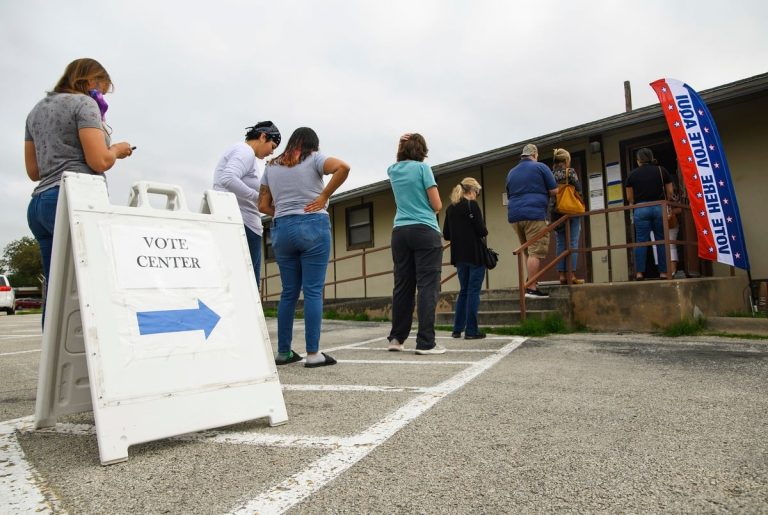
22, 263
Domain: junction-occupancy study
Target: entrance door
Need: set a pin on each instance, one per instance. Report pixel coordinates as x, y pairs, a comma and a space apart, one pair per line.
664, 151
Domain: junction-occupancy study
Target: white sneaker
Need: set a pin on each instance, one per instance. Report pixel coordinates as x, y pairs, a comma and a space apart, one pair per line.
437, 349
395, 346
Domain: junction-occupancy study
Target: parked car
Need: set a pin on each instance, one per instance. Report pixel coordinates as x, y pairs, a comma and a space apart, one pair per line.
7, 296
29, 303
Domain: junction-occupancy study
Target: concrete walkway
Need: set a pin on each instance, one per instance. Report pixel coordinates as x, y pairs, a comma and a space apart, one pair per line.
580, 423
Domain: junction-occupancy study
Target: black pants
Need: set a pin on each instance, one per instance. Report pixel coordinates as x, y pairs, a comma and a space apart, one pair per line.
417, 254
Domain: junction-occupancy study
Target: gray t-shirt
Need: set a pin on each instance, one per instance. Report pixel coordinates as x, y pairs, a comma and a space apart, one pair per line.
53, 126
238, 173
295, 187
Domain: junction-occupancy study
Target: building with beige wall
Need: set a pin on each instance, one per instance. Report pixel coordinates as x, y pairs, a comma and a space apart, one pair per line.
602, 153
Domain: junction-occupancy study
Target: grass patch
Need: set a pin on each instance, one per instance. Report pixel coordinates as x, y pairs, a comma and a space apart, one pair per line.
685, 328
35, 311
354, 317
552, 324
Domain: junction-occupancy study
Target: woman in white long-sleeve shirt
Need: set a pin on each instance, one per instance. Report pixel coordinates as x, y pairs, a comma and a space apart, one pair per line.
238, 173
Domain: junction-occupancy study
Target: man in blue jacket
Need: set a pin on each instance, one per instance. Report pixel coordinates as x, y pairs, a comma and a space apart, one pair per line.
529, 186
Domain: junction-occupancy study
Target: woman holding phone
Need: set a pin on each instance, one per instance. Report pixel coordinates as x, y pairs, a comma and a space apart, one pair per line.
66, 132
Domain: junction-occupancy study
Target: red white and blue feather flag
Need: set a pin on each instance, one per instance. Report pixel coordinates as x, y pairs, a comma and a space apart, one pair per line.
705, 173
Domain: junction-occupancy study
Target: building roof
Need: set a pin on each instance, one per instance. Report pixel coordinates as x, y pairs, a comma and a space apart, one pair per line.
757, 85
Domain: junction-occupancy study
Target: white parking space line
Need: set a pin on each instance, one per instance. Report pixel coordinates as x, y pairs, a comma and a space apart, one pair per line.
400, 362
14, 336
19, 490
384, 349
246, 438
352, 388
27, 327
18, 352
488, 337
354, 345
215, 436
327, 468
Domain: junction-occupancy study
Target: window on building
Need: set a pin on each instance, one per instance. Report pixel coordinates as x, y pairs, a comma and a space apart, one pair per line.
360, 227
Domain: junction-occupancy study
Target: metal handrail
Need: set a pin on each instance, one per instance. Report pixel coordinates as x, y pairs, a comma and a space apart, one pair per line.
521, 269
364, 277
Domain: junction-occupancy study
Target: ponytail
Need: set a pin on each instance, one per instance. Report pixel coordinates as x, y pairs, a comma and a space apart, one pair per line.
457, 194
466, 185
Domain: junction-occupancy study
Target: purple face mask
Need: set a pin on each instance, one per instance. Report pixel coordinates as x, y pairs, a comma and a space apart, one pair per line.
99, 98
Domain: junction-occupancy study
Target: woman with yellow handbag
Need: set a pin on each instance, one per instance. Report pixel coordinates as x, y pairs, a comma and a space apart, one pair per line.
568, 201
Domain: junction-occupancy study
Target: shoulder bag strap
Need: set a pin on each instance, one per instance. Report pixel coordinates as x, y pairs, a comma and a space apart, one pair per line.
483, 241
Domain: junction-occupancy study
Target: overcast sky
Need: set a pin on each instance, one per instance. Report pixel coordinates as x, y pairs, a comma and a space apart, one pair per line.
469, 75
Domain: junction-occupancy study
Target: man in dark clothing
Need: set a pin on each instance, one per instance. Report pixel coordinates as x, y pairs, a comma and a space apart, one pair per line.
648, 183
529, 186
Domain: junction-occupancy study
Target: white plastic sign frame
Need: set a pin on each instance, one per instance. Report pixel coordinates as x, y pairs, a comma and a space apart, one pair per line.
153, 318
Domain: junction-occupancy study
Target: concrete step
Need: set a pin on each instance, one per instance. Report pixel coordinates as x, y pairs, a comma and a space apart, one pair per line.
738, 325
502, 307
553, 291
497, 307
513, 304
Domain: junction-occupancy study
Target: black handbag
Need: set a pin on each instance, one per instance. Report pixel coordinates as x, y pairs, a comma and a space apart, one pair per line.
490, 256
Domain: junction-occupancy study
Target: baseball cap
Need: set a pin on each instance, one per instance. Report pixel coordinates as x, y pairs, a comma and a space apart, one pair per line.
529, 150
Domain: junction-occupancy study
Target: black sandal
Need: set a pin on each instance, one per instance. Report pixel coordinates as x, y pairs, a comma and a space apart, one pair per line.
328, 362
293, 359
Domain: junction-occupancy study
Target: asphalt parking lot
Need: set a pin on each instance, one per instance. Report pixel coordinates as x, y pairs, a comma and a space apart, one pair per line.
570, 423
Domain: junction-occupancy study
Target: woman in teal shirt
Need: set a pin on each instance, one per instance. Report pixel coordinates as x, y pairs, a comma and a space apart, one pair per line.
417, 250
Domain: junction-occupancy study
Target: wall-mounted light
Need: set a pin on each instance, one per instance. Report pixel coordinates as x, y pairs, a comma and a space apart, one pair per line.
594, 147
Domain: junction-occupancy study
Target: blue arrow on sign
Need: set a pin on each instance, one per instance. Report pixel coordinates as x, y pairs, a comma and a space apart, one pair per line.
176, 320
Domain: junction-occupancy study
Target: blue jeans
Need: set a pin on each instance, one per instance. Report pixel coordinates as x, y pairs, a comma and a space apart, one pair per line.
41, 217
417, 256
575, 224
254, 246
302, 246
468, 302
649, 219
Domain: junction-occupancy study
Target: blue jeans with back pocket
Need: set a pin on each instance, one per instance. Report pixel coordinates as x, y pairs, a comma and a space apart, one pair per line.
41, 217
647, 220
302, 247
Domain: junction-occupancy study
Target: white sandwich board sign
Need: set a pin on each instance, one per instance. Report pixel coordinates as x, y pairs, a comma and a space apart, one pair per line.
153, 319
